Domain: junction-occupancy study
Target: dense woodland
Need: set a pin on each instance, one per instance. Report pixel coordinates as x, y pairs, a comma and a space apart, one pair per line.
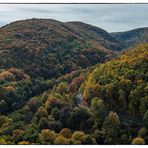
71, 83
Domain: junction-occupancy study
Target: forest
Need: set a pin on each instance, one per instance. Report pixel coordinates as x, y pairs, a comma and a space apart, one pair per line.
71, 83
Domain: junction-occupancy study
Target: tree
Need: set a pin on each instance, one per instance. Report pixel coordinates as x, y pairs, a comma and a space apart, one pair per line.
142, 132
18, 135
79, 117
41, 113
89, 140
47, 136
122, 98
99, 135
65, 132
138, 141
31, 134
111, 124
61, 140
4, 120
79, 137
34, 104
124, 139
55, 112
56, 126
146, 119
144, 104
2, 141
62, 88
3, 107
135, 97
98, 108
43, 124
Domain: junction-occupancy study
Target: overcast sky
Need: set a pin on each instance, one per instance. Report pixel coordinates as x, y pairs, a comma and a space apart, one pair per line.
111, 17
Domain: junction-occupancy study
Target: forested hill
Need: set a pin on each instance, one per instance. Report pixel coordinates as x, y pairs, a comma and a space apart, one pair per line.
121, 83
104, 104
49, 48
63, 83
132, 37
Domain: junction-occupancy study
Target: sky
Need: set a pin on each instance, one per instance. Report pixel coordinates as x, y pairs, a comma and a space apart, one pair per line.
111, 17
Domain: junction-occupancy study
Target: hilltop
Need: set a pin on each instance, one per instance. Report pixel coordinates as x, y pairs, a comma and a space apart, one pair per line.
49, 48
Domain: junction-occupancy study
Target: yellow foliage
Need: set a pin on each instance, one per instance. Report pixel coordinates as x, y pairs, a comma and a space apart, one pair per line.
78, 136
47, 135
23, 143
3, 141
138, 141
9, 88
6, 75
61, 140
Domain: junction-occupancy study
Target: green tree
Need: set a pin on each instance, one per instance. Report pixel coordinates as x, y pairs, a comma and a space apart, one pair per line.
144, 104
43, 124
56, 125
98, 108
111, 124
55, 112
79, 117
3, 107
18, 135
79, 137
34, 104
41, 113
146, 119
142, 132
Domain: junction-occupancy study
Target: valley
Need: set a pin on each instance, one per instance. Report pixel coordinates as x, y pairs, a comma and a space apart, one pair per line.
72, 83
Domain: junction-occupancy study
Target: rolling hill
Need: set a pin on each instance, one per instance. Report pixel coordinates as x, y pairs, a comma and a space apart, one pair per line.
49, 48
63, 83
132, 37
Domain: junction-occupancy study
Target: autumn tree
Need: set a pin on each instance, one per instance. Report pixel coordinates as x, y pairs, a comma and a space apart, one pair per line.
41, 113
66, 133
23, 143
79, 137
138, 141
47, 136
111, 124
61, 140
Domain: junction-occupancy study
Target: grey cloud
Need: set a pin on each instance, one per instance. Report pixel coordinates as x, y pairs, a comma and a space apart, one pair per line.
111, 17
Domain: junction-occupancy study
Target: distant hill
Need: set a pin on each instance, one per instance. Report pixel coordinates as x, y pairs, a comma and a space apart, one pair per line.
94, 34
48, 48
132, 37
